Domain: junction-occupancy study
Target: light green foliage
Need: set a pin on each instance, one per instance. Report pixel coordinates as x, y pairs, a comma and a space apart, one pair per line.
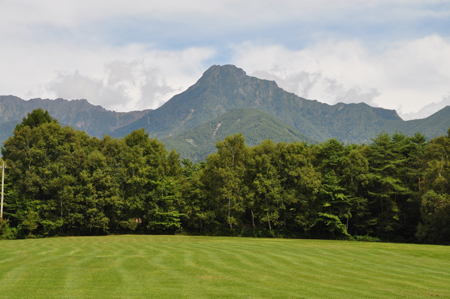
65, 182
152, 187
300, 184
224, 177
197, 211
6, 232
265, 194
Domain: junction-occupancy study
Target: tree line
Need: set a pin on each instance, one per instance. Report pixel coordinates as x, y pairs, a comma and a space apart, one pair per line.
63, 182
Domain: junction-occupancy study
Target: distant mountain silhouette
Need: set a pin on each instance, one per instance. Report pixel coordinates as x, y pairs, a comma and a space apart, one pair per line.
79, 114
220, 90
223, 88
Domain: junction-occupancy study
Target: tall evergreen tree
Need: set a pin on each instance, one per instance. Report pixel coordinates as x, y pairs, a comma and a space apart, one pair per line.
35, 118
388, 191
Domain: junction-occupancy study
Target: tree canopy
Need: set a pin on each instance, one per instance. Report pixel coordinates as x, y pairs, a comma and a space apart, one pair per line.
35, 118
63, 182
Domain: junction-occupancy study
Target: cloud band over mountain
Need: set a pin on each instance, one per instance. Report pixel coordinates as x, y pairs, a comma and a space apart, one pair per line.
135, 55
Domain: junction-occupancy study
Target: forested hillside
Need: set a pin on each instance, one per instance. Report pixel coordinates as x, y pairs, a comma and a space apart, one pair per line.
198, 143
64, 182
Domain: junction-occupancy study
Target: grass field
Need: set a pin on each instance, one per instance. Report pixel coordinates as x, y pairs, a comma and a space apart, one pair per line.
217, 267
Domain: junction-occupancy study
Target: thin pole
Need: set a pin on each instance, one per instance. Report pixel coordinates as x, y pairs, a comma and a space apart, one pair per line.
3, 186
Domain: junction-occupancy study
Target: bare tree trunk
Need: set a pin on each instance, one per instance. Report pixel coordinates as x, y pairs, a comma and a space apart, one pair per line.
229, 213
253, 218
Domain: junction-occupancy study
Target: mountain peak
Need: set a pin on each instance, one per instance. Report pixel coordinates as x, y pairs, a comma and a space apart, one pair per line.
222, 73
228, 68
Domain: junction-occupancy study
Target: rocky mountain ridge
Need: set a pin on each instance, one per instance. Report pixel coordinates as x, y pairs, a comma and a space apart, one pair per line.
222, 89
80, 114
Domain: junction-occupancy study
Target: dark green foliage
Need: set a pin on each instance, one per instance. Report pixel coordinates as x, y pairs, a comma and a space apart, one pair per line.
367, 239
388, 190
435, 224
345, 174
395, 171
63, 182
36, 118
435, 200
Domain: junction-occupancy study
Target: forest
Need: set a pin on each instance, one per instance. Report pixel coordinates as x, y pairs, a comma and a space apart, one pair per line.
62, 182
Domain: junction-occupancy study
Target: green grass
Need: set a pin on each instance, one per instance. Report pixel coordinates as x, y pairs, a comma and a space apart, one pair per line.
216, 267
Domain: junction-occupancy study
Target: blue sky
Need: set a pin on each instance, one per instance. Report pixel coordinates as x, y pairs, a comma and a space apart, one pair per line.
129, 55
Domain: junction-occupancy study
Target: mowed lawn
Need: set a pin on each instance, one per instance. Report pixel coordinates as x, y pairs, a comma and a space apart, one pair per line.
132, 266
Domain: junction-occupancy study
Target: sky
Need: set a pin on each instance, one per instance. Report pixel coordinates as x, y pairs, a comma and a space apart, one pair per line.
134, 55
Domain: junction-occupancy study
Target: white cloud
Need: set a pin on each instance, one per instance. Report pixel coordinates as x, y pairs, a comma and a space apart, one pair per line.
311, 85
20, 15
406, 75
120, 78
134, 54
126, 86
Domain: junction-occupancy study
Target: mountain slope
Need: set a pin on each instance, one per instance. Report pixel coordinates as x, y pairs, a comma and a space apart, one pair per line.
434, 125
222, 88
79, 114
256, 125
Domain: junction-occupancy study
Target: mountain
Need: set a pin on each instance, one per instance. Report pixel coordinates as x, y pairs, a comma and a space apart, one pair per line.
79, 114
434, 125
222, 88
257, 126
219, 90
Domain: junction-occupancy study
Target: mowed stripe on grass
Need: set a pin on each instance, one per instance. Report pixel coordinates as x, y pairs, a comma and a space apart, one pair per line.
133, 266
